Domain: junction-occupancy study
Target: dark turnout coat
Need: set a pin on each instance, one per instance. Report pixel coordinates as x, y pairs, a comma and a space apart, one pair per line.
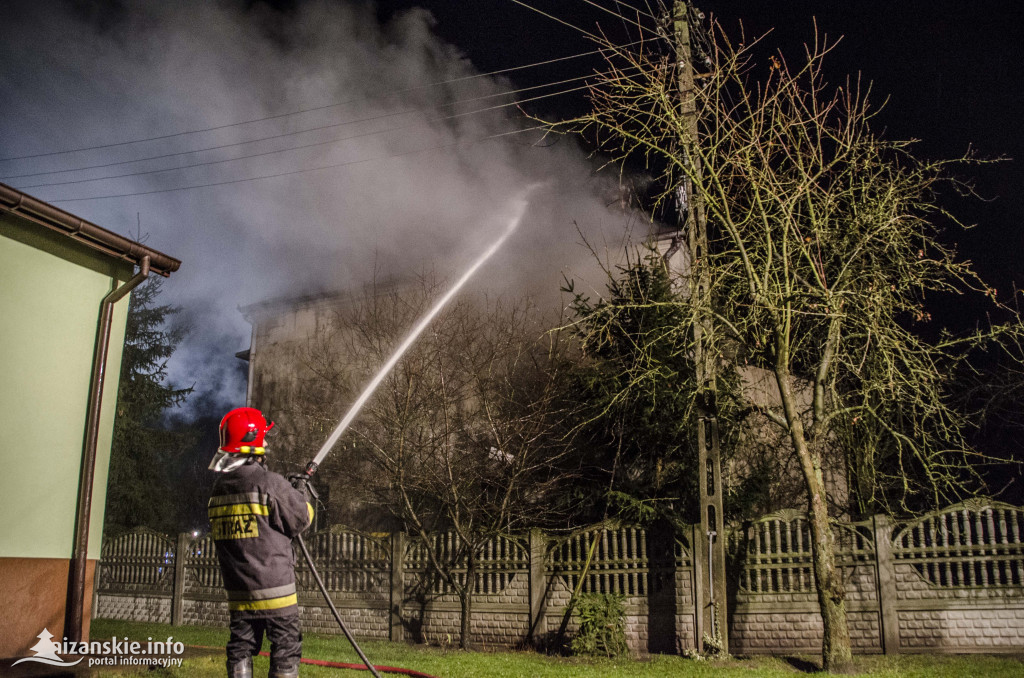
254, 514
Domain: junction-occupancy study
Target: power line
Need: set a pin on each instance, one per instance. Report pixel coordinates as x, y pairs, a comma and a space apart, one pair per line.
590, 35
310, 145
621, 16
650, 10
300, 111
197, 150
276, 136
649, 13
302, 171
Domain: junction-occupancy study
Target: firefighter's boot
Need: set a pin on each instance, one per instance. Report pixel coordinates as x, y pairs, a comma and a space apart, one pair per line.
288, 668
240, 669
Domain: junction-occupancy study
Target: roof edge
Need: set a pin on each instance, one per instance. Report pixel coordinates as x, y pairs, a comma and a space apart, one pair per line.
86, 232
329, 295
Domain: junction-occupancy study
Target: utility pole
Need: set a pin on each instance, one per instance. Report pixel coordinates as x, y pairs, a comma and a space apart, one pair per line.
709, 546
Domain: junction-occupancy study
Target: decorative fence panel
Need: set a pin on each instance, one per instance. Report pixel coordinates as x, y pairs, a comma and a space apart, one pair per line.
976, 544
350, 563
615, 561
432, 608
135, 577
138, 562
356, 568
202, 572
773, 601
777, 553
950, 581
497, 563
958, 581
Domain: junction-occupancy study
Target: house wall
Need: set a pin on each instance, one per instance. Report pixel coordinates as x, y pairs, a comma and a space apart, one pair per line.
280, 333
51, 293
297, 346
286, 334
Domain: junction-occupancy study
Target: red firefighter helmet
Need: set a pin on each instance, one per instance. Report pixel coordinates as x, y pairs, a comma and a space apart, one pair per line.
241, 434
242, 430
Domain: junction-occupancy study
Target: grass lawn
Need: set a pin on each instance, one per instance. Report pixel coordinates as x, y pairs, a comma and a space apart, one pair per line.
448, 663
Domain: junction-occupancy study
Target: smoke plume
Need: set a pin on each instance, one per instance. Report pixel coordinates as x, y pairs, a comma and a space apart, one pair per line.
398, 177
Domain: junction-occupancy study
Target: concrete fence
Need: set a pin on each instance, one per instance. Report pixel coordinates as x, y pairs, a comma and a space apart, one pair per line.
950, 581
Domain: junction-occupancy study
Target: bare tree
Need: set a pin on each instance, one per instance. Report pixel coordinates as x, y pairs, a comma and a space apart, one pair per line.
465, 435
821, 248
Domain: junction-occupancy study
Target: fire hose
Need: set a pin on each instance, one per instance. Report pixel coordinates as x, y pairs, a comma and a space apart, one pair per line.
301, 481
348, 634
360, 667
330, 603
340, 665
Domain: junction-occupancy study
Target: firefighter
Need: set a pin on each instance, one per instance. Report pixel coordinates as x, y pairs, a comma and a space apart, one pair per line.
254, 515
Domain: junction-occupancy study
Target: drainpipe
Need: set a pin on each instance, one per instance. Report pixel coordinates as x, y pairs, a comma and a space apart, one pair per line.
74, 621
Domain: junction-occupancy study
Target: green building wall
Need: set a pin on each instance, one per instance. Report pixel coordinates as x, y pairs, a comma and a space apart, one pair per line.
50, 293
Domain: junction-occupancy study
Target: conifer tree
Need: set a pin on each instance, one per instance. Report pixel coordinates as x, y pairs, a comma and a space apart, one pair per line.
142, 448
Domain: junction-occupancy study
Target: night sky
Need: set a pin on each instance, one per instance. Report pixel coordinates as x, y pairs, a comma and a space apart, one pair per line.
425, 191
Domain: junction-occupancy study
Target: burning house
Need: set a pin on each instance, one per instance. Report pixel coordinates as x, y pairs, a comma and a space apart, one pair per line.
300, 375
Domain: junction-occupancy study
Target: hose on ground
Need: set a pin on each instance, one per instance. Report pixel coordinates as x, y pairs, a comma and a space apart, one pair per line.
340, 665
361, 667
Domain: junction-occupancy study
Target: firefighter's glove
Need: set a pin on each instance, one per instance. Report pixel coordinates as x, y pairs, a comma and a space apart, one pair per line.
300, 481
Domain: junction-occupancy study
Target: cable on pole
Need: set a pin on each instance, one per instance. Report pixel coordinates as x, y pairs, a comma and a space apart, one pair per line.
282, 135
301, 146
301, 171
621, 16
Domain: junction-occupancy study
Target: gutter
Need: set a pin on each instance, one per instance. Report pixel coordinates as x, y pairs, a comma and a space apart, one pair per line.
75, 622
86, 232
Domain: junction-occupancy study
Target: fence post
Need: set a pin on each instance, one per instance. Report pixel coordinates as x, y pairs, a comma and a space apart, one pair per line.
178, 589
395, 631
886, 579
538, 586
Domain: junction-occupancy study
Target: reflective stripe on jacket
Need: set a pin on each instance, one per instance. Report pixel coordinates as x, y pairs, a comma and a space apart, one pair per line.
254, 515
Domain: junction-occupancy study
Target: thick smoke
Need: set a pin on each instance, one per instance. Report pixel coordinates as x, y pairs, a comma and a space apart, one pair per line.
413, 188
